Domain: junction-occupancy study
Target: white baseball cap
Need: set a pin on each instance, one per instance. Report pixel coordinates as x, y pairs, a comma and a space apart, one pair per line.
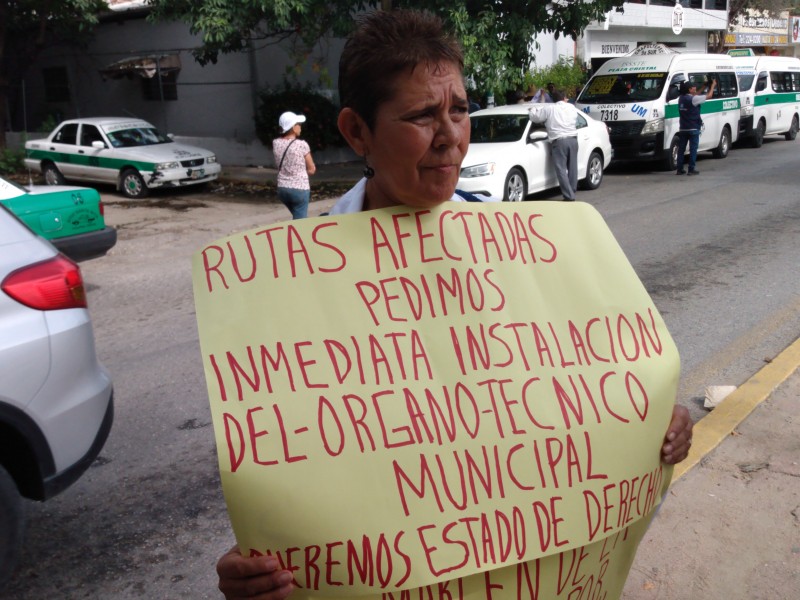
289, 120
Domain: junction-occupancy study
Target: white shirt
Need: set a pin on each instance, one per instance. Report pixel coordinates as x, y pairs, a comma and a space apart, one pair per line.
353, 200
559, 118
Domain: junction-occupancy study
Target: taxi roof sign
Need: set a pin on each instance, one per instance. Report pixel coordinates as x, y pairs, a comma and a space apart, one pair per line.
741, 52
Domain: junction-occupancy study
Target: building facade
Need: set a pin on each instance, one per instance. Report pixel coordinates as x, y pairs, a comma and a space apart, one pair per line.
137, 68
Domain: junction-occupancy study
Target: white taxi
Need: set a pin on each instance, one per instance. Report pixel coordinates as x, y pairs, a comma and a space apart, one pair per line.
130, 154
509, 157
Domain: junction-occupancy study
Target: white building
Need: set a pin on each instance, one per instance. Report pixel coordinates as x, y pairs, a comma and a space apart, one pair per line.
638, 23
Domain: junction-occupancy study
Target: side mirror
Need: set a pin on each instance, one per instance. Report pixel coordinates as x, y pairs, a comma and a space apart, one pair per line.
98, 144
537, 135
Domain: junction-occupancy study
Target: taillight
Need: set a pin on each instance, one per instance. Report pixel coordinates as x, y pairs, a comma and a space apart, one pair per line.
102, 209
50, 285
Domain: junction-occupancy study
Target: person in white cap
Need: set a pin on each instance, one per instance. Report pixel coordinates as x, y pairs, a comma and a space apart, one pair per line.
294, 163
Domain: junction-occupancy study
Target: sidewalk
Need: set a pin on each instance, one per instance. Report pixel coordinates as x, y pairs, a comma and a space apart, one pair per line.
729, 528
349, 172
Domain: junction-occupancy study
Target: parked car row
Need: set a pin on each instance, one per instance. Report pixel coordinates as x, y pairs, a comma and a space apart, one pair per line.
130, 154
636, 96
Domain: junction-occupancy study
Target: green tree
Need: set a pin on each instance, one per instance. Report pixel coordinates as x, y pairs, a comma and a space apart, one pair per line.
497, 35
29, 26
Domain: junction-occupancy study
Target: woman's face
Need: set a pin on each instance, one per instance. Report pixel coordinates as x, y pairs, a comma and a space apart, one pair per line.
419, 140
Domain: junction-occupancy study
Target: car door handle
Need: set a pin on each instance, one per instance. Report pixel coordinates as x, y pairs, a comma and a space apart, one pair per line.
81, 152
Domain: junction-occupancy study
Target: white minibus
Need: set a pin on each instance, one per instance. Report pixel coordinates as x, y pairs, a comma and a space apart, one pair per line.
637, 97
769, 92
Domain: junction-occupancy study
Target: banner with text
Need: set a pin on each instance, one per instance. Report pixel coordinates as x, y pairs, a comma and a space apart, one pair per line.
405, 398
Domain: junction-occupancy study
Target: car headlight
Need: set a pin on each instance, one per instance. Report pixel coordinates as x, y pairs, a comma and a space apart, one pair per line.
653, 126
167, 166
211, 159
478, 170
747, 110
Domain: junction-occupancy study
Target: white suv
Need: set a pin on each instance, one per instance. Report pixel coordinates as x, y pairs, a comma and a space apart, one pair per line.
56, 399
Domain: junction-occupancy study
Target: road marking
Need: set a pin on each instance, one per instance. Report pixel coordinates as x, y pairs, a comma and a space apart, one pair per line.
712, 429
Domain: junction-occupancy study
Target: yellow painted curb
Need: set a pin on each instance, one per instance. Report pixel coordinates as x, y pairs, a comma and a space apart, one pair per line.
709, 432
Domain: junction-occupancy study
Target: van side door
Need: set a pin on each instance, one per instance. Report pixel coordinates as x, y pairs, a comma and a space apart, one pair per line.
779, 109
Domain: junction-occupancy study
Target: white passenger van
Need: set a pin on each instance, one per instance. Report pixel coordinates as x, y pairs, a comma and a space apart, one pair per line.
769, 92
637, 97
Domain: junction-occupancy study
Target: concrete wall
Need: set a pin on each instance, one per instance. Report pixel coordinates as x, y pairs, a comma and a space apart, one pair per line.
214, 101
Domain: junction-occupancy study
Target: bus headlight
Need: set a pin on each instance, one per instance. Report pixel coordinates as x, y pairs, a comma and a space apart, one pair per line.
654, 126
747, 110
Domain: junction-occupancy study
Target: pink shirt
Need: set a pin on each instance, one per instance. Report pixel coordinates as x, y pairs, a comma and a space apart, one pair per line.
293, 173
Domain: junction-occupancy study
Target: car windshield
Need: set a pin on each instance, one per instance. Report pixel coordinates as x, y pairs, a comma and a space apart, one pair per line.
136, 136
623, 88
491, 129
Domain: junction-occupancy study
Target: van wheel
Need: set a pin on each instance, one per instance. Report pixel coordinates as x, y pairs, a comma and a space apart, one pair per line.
52, 176
721, 151
132, 184
12, 525
792, 133
515, 186
594, 172
758, 134
671, 162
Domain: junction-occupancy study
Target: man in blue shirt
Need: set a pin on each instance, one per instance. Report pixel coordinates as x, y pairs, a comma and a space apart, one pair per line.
690, 122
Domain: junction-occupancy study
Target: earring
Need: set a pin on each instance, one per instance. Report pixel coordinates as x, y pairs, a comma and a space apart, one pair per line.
369, 172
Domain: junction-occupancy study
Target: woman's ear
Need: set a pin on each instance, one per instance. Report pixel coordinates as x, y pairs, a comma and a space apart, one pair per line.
354, 130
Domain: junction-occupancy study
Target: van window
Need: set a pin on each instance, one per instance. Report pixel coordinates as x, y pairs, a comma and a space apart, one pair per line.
784, 81
761, 84
726, 86
625, 87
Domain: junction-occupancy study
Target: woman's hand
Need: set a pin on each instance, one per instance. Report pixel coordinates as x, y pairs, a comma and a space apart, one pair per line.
257, 578
679, 436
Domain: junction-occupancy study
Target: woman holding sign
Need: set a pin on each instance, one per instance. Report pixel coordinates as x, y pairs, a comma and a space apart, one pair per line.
405, 110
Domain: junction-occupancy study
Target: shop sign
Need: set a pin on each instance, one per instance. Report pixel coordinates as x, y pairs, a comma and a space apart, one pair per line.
755, 39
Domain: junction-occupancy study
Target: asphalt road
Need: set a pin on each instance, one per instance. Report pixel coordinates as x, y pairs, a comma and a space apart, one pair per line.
717, 252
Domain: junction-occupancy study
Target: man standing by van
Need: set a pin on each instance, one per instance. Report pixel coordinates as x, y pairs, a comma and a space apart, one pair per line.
560, 119
690, 122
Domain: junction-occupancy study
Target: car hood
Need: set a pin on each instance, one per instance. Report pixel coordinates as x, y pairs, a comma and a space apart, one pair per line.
164, 152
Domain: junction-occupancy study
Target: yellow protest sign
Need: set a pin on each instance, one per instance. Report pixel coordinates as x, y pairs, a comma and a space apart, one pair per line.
405, 398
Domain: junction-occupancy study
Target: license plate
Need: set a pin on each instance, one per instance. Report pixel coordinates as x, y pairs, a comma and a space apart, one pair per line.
198, 173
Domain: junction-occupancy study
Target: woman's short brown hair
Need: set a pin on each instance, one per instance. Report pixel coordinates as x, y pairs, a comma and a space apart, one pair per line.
384, 44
